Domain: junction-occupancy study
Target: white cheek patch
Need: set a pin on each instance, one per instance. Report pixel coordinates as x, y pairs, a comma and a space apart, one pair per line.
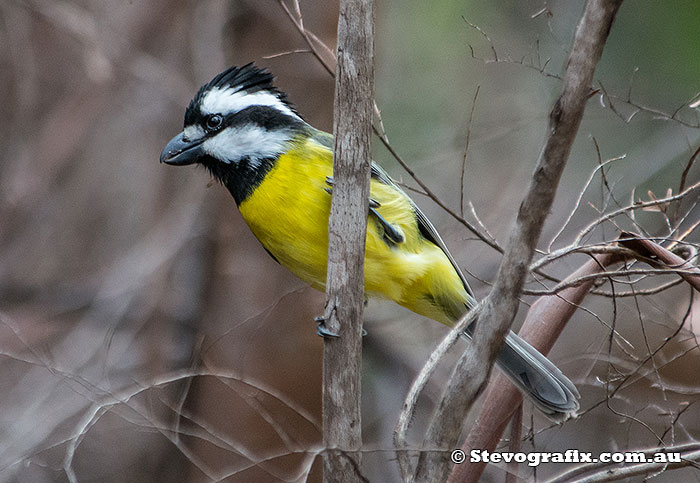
249, 141
194, 132
222, 101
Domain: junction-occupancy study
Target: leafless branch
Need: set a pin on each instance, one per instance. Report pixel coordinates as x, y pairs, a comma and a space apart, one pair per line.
601, 168
689, 453
311, 40
289, 52
498, 310
634, 206
544, 322
656, 254
347, 228
466, 152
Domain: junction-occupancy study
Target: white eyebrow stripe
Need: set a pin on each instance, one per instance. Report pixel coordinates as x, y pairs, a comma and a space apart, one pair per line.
249, 141
224, 101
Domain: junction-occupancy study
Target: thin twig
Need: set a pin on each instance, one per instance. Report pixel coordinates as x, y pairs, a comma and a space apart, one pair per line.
690, 454
311, 40
466, 151
288, 52
600, 167
635, 206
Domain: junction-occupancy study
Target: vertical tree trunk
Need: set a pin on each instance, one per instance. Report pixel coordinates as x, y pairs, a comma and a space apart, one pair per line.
342, 356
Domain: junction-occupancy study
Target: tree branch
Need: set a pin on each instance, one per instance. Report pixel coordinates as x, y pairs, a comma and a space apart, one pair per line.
347, 227
689, 456
499, 308
656, 255
544, 322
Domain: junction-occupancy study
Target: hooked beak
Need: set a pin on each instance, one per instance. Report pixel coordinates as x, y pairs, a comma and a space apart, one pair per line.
180, 152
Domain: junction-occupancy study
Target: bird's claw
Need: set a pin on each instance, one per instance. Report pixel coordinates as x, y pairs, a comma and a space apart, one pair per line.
322, 330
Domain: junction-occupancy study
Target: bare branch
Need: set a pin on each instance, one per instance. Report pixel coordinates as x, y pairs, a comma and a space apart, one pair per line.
544, 322
634, 206
655, 253
616, 273
311, 40
601, 167
409, 405
347, 228
499, 308
428, 192
485, 35
466, 151
288, 52
684, 175
689, 456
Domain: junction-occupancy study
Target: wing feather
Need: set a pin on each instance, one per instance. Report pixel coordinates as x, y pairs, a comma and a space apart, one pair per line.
427, 229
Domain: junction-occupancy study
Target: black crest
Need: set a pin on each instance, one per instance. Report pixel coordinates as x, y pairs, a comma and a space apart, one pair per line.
249, 78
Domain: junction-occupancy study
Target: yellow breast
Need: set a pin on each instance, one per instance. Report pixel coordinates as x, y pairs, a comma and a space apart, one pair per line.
288, 213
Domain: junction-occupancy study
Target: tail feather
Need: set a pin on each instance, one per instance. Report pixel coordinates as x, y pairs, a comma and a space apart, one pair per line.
538, 378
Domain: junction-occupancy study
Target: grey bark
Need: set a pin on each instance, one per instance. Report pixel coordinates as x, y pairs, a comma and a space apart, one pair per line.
342, 356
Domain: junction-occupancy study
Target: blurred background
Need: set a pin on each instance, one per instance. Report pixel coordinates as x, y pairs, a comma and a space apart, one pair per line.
145, 335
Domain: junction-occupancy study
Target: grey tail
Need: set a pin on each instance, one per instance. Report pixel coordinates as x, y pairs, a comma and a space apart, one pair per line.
538, 379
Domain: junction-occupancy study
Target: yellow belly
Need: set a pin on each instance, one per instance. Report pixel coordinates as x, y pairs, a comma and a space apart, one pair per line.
288, 213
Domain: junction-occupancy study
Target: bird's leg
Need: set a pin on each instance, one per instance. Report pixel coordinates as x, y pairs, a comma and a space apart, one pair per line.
324, 331
393, 233
321, 328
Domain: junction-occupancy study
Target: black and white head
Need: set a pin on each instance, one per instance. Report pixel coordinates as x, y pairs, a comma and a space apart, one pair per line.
238, 121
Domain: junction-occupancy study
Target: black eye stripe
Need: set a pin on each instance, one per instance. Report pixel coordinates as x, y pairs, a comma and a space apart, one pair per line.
266, 117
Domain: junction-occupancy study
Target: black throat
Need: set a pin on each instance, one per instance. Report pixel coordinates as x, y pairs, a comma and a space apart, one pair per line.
240, 178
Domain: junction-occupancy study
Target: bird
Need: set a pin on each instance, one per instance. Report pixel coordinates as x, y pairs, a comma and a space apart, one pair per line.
279, 170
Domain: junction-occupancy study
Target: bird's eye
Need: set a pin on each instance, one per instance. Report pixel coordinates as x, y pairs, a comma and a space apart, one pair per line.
214, 122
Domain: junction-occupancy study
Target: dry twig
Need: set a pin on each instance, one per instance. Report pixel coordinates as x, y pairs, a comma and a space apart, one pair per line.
498, 309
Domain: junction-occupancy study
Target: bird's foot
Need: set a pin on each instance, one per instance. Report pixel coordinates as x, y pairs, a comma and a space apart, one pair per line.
322, 330
325, 332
